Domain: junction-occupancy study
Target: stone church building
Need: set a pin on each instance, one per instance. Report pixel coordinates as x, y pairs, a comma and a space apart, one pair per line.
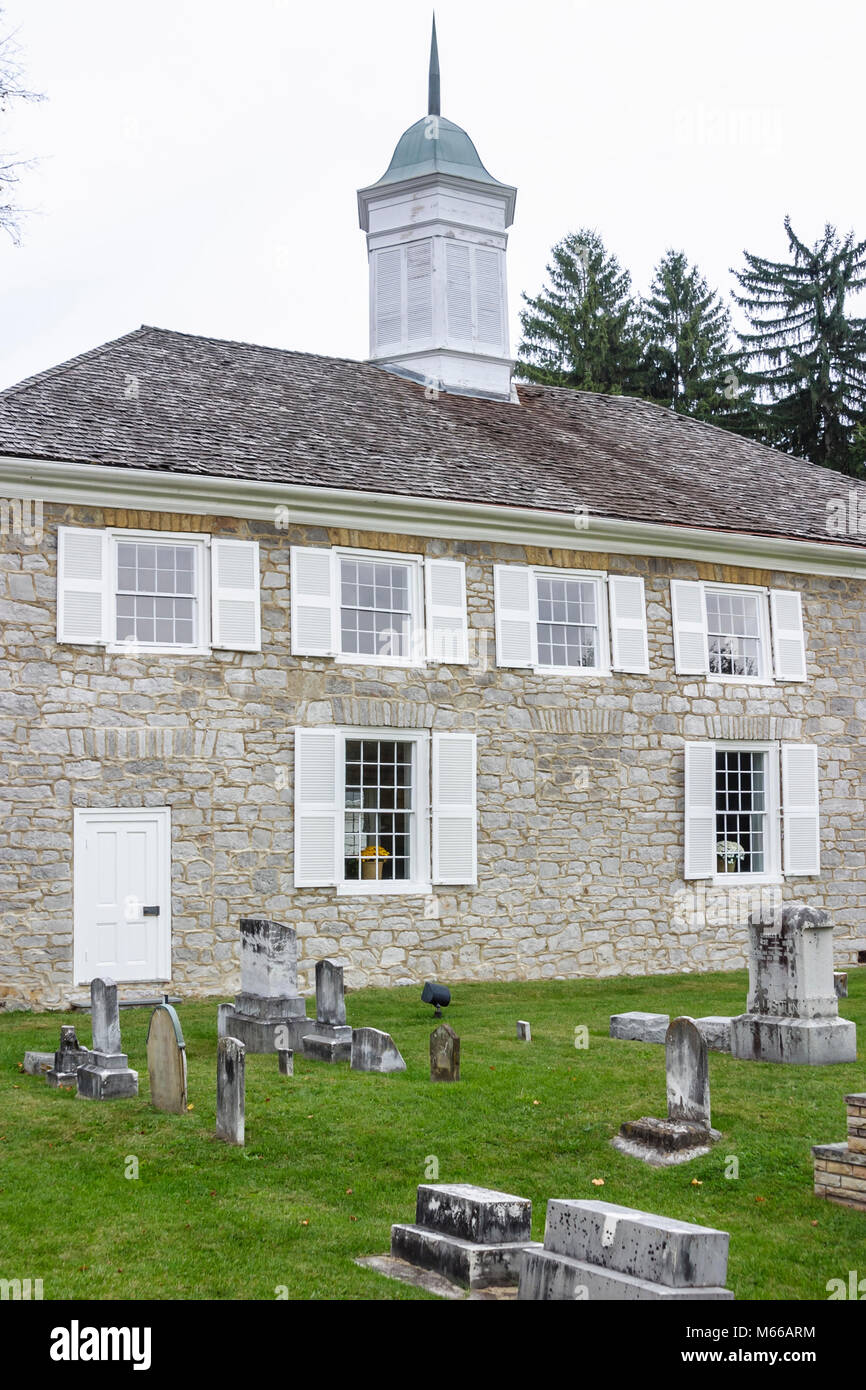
460, 677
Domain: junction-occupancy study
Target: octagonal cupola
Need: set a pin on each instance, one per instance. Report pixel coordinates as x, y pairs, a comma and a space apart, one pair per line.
436, 224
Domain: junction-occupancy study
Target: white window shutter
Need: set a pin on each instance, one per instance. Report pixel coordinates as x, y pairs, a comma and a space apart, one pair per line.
84, 585
319, 807
488, 296
800, 817
690, 628
789, 647
315, 584
419, 291
458, 291
447, 629
388, 298
514, 615
628, 630
236, 620
454, 813
700, 804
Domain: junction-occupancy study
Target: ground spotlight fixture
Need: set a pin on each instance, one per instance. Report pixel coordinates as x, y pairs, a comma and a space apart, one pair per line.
437, 995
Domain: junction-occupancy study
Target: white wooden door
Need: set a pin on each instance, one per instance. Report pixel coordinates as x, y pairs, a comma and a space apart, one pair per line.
122, 902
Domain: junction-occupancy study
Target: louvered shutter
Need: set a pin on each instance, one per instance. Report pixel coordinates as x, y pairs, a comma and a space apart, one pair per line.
315, 583
447, 633
454, 814
514, 615
419, 291
690, 627
488, 296
84, 585
800, 815
235, 601
389, 298
458, 291
628, 630
789, 647
700, 810
319, 809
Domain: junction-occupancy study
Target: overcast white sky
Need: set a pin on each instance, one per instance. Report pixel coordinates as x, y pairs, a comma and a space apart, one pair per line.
198, 159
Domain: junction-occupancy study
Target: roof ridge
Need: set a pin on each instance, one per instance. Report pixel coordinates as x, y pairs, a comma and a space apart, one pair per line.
256, 347
692, 420
75, 361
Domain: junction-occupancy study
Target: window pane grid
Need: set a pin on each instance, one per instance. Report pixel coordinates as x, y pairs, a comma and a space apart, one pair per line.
155, 593
375, 608
741, 811
567, 629
379, 810
734, 634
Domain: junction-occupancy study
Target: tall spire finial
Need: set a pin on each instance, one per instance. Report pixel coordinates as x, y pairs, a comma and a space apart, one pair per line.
433, 83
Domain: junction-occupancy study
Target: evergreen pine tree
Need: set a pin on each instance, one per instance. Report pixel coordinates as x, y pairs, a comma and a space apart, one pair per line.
806, 356
689, 364
582, 330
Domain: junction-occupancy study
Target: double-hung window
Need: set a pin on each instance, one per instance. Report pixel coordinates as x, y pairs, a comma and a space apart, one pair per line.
730, 632
574, 622
751, 811
384, 810
373, 608
156, 591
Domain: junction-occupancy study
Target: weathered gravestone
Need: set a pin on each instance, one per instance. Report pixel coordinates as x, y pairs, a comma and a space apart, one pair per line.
524, 1031
686, 1133
268, 1015
67, 1059
792, 1011
38, 1063
231, 1090
598, 1251
166, 1061
373, 1050
444, 1054
470, 1235
286, 1062
330, 1039
107, 1075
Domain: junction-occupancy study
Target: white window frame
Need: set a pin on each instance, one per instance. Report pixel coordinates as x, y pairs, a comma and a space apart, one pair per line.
772, 872
766, 675
201, 550
420, 884
417, 654
599, 578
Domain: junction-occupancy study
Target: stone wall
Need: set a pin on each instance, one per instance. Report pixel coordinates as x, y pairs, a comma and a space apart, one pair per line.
580, 786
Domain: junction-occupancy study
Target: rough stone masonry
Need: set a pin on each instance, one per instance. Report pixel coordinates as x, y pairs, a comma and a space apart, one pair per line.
580, 780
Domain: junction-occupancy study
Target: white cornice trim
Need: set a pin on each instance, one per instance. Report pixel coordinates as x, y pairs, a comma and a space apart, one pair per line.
140, 489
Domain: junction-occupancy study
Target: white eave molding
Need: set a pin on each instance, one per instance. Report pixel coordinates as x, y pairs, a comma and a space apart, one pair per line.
142, 489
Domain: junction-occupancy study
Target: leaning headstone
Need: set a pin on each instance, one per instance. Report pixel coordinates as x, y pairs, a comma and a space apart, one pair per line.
373, 1050
792, 1011
330, 1039
840, 1169
231, 1090
686, 1133
524, 1032
67, 1059
598, 1251
166, 1061
444, 1054
687, 1073
639, 1027
470, 1235
107, 1075
268, 1014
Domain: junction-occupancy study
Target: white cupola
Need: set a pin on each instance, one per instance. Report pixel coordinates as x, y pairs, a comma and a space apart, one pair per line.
436, 238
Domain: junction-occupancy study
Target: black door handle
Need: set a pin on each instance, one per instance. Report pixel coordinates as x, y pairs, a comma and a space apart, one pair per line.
150, 912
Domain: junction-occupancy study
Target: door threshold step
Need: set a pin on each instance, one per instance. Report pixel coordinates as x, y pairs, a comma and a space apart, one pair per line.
144, 1001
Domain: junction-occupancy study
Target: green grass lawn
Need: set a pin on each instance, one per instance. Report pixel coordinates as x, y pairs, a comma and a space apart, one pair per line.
333, 1157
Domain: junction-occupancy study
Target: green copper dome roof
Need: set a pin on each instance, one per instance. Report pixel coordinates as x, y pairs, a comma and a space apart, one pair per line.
450, 152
